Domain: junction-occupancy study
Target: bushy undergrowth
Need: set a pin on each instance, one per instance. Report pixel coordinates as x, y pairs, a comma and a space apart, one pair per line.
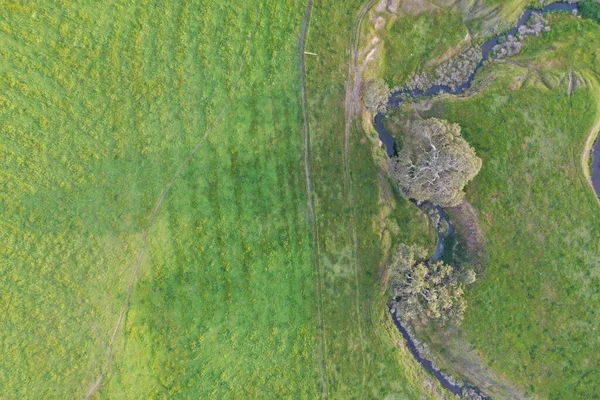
590, 9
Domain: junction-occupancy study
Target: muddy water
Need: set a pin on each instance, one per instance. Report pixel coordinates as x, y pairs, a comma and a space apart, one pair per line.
400, 96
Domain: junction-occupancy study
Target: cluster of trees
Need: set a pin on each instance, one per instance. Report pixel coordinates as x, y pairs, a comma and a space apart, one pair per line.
375, 94
435, 163
428, 291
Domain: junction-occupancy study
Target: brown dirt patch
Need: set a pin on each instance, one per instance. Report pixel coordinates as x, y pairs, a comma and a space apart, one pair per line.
415, 7
387, 5
378, 23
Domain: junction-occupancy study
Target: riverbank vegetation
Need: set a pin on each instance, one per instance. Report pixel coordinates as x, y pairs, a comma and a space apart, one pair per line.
428, 290
417, 40
374, 95
533, 315
435, 162
359, 219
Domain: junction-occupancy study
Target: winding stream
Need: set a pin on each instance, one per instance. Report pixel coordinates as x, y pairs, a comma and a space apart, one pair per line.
425, 363
443, 227
397, 98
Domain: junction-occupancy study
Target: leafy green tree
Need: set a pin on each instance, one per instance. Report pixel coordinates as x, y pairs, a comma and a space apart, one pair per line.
435, 163
425, 291
590, 9
375, 94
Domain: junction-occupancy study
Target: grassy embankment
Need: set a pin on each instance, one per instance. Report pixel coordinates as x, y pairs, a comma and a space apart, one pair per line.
409, 40
534, 316
362, 357
423, 35
100, 108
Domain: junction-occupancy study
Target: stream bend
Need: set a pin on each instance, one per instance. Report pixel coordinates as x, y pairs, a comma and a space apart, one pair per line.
400, 96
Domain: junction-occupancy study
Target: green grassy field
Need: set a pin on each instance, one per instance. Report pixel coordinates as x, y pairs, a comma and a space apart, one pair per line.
157, 147
534, 315
410, 40
101, 106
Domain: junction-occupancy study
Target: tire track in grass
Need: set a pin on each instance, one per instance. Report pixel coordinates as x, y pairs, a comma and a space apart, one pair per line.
351, 108
138, 261
351, 101
311, 216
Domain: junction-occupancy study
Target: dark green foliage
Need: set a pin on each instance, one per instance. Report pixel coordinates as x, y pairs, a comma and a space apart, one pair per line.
428, 291
590, 9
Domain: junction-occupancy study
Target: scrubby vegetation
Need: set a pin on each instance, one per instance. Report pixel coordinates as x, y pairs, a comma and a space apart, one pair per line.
413, 39
457, 70
590, 9
375, 94
435, 162
511, 45
452, 73
424, 35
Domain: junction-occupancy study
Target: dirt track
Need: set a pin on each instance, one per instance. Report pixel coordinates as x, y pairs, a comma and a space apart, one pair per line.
352, 108
311, 216
352, 99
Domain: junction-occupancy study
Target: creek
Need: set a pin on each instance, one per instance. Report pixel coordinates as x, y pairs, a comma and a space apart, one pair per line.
444, 228
400, 96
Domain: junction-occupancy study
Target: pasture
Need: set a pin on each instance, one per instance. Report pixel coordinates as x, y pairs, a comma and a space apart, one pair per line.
155, 238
